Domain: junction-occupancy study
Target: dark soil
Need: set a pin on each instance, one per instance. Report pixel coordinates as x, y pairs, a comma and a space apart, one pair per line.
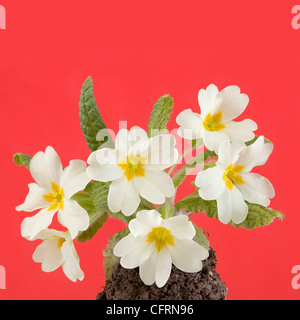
125, 284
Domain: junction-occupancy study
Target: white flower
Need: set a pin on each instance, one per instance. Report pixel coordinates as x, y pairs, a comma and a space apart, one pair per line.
230, 182
215, 124
135, 168
57, 249
154, 244
52, 192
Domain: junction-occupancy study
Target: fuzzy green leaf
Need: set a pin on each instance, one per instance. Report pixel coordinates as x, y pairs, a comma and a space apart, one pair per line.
248, 143
160, 116
91, 120
94, 201
22, 159
258, 216
200, 238
110, 260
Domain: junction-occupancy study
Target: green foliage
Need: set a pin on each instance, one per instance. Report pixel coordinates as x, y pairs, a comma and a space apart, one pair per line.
110, 260
160, 116
22, 159
200, 238
258, 216
94, 201
248, 143
91, 120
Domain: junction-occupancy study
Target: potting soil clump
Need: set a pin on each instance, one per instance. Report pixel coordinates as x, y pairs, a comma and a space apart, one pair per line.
126, 284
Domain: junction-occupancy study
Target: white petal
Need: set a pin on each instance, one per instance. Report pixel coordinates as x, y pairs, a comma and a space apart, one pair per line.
161, 152
242, 130
210, 182
256, 189
163, 267
77, 184
239, 206
31, 226
121, 143
148, 191
233, 103
231, 206
34, 199
49, 233
148, 269
162, 181
116, 194
137, 140
190, 124
73, 217
180, 227
71, 265
75, 168
107, 156
213, 139
209, 100
54, 165
131, 199
125, 245
229, 152
256, 154
128, 141
49, 254
138, 255
38, 170
145, 221
187, 255
105, 173
224, 205
46, 168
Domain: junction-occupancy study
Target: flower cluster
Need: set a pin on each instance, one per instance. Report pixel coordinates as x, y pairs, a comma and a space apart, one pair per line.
137, 187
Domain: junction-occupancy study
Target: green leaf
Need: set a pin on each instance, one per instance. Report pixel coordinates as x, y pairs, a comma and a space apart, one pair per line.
97, 220
91, 120
180, 175
248, 143
94, 201
160, 116
110, 260
22, 159
194, 204
258, 216
200, 238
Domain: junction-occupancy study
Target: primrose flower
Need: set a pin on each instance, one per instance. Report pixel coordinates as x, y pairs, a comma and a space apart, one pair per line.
57, 249
215, 124
52, 193
154, 244
135, 168
230, 182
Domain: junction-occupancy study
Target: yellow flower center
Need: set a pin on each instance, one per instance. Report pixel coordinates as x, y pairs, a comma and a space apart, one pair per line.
56, 198
133, 166
213, 122
231, 176
60, 242
161, 236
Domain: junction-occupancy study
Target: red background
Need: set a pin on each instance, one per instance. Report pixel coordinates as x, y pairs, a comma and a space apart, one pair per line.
137, 51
